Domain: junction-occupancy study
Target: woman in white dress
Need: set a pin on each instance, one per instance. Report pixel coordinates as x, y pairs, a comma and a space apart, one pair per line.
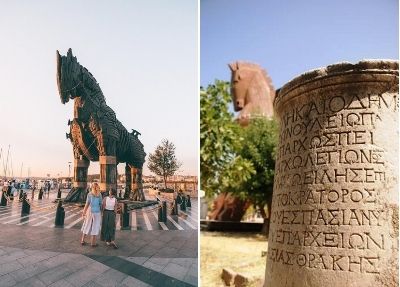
92, 215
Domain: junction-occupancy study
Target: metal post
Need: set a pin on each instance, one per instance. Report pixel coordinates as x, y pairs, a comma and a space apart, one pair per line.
60, 215
160, 213
3, 198
26, 207
175, 208
125, 217
183, 204
164, 212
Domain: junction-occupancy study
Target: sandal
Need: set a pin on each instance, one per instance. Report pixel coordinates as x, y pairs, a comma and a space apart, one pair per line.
108, 243
94, 245
83, 243
114, 245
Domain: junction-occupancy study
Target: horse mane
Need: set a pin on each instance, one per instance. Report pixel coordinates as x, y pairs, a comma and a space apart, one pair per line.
247, 65
88, 80
91, 83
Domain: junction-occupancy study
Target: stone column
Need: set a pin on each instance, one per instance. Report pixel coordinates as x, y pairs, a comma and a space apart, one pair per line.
80, 173
108, 173
334, 215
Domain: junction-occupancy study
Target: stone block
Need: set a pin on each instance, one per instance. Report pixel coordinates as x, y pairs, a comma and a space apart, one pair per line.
228, 276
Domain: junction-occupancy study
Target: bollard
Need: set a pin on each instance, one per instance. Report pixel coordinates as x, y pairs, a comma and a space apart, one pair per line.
60, 215
160, 213
175, 208
164, 211
183, 204
189, 203
26, 207
3, 199
59, 193
125, 217
40, 194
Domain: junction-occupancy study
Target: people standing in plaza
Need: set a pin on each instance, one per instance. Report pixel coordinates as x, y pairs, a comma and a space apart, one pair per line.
110, 204
92, 215
33, 191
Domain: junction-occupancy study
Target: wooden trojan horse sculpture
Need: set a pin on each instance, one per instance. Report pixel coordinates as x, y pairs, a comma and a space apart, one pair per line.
96, 134
253, 95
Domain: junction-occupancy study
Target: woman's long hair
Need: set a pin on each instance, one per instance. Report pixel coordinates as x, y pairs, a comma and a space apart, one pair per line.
95, 189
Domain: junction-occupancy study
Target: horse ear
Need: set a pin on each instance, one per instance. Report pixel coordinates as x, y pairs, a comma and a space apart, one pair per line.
69, 53
234, 66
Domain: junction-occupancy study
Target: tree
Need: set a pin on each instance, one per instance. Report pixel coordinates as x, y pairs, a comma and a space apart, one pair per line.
259, 148
221, 168
233, 159
163, 161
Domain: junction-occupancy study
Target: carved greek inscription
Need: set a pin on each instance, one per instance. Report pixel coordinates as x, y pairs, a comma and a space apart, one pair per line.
340, 240
330, 178
350, 263
327, 196
340, 217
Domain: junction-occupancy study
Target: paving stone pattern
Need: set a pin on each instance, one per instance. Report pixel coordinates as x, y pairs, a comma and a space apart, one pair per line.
34, 254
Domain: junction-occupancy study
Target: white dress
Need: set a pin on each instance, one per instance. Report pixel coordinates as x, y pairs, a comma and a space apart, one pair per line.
92, 223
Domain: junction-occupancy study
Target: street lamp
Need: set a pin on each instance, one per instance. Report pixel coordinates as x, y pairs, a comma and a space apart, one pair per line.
69, 172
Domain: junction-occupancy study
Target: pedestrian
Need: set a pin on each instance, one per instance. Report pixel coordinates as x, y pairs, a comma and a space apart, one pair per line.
33, 191
110, 204
92, 215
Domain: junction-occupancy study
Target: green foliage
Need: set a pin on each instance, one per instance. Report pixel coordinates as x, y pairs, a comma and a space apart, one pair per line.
235, 159
163, 161
259, 148
222, 168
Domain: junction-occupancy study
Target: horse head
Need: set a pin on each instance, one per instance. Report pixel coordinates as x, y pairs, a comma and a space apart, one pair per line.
251, 89
74, 80
68, 76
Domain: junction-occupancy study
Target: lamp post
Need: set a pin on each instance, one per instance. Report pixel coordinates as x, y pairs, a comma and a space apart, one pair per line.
69, 173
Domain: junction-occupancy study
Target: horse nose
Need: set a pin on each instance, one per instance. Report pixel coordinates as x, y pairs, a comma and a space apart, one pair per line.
239, 105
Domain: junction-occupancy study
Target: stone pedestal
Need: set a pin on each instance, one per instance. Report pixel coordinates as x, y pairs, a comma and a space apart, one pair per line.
108, 173
334, 215
80, 173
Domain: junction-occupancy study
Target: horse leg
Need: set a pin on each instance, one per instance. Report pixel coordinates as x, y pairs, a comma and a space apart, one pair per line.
81, 166
134, 189
139, 184
128, 181
108, 167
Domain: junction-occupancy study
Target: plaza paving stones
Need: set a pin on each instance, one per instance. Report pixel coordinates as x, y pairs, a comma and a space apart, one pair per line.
43, 214
33, 254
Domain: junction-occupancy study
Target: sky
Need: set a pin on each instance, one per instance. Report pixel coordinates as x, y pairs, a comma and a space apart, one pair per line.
288, 38
144, 54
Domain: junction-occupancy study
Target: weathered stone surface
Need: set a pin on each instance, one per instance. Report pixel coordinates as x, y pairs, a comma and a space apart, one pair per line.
241, 280
335, 204
228, 276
